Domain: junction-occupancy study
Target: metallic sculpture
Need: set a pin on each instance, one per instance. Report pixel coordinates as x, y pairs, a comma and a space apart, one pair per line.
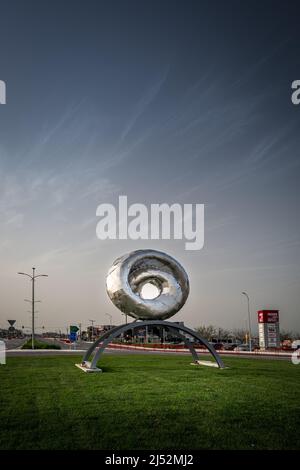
125, 281
131, 272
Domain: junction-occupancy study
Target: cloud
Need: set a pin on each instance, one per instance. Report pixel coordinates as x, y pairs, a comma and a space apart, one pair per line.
143, 104
47, 194
254, 68
15, 221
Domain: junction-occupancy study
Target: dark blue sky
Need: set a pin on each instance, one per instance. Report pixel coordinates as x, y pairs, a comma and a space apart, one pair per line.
164, 102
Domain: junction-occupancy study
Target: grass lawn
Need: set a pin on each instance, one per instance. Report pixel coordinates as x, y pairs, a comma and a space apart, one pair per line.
149, 402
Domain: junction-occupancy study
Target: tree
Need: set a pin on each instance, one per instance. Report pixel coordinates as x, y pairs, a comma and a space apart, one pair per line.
284, 335
222, 333
207, 332
240, 334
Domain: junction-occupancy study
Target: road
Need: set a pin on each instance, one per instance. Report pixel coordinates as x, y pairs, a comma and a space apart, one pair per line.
72, 352
17, 343
13, 349
14, 343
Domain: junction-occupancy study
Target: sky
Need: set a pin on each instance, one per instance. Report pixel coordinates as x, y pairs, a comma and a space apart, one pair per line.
162, 101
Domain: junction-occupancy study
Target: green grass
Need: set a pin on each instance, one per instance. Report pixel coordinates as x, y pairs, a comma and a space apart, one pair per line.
149, 402
39, 345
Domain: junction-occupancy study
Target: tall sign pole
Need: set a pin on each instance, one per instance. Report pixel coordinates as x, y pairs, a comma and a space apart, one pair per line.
32, 303
33, 278
249, 320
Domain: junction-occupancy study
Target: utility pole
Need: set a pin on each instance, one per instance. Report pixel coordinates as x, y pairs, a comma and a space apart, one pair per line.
33, 278
92, 322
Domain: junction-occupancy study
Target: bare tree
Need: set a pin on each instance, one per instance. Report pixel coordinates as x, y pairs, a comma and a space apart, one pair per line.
207, 332
284, 335
222, 333
240, 334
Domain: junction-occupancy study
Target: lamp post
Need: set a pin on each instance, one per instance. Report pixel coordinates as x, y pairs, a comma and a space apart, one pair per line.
33, 278
249, 321
92, 322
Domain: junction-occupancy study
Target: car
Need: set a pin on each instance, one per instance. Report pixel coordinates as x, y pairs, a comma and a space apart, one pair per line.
218, 346
232, 346
296, 344
242, 347
66, 340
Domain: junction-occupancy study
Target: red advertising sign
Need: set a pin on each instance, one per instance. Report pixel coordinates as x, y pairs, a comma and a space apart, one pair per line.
268, 316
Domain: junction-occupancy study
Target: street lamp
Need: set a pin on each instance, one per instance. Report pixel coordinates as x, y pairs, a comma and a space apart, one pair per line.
33, 278
80, 325
249, 321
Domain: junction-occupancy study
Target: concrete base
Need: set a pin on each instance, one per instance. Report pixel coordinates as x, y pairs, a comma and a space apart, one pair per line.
87, 368
205, 363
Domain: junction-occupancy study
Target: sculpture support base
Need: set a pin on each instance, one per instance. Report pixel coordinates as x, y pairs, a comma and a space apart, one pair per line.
99, 346
86, 367
204, 363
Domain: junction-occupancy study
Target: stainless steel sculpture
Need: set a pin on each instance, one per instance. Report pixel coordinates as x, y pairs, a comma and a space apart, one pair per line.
128, 275
124, 284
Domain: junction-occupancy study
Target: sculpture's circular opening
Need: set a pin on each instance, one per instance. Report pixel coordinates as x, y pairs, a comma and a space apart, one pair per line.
149, 291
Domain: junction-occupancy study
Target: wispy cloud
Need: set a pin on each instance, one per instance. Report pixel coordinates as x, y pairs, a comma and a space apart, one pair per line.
264, 59
142, 105
22, 192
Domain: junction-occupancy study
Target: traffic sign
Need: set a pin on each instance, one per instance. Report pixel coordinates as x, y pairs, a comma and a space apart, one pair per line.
74, 329
73, 336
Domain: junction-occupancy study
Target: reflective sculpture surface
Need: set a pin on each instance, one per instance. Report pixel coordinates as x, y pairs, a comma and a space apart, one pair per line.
131, 272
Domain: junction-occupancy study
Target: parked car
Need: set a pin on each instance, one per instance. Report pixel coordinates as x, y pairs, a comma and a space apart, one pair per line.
242, 347
296, 344
231, 347
227, 343
218, 346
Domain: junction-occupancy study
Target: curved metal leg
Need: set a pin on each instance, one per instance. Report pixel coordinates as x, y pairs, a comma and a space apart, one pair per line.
97, 342
105, 344
206, 344
107, 337
187, 343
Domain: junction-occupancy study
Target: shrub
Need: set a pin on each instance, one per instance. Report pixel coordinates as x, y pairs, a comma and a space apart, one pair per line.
39, 345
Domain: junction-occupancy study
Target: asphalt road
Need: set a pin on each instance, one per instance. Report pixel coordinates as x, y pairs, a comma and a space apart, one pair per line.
13, 349
72, 352
14, 343
18, 343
